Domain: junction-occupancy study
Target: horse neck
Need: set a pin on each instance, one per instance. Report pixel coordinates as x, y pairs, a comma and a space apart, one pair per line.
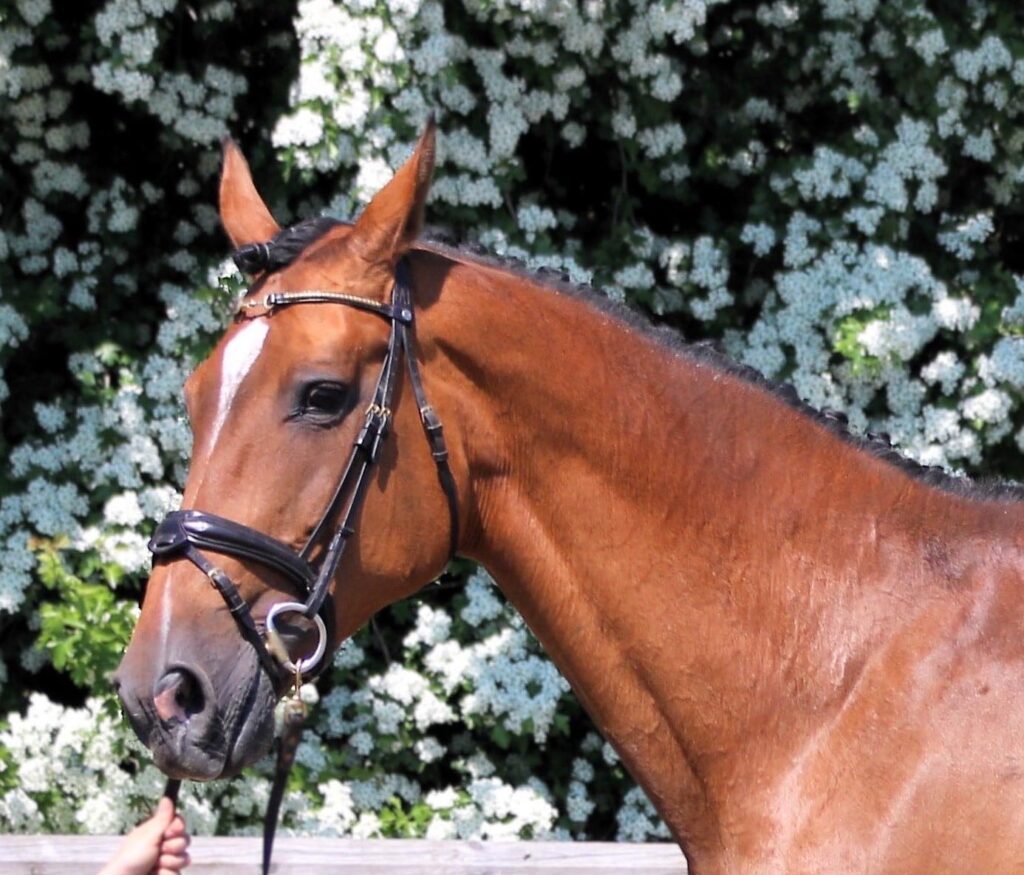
707, 565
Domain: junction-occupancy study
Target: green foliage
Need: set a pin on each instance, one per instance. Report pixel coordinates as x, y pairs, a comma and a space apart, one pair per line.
87, 628
846, 339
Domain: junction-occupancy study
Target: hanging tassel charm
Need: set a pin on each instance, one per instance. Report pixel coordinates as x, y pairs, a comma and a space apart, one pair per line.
293, 720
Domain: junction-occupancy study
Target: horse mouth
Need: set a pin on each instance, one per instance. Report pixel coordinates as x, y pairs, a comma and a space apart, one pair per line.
178, 755
204, 736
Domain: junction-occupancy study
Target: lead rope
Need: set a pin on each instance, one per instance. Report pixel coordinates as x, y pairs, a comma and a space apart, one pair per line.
171, 790
293, 722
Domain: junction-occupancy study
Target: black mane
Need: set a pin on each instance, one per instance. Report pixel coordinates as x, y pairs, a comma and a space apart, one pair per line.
289, 243
710, 353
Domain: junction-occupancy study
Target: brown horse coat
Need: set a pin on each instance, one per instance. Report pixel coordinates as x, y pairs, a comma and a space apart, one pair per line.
809, 656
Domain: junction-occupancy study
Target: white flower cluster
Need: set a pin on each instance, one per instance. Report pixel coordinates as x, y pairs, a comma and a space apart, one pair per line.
760, 237
534, 220
909, 158
71, 758
638, 820
930, 45
520, 688
508, 680
986, 60
198, 109
963, 238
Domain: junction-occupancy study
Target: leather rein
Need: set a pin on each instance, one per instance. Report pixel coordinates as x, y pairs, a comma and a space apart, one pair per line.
185, 533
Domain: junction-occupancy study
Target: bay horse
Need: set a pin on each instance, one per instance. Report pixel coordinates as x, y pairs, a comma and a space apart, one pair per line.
809, 654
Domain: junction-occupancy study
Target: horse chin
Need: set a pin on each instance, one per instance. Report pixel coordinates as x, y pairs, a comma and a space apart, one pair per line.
254, 737
185, 761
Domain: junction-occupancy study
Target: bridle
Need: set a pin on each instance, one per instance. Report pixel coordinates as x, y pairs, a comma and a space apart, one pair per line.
185, 533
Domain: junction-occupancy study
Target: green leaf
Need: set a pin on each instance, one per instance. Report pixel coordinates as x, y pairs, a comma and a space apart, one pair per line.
846, 339
500, 736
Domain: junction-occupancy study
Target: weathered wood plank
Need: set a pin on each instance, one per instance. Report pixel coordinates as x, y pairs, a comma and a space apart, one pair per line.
75, 855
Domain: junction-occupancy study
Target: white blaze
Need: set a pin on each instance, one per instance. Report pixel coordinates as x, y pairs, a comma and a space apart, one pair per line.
165, 621
239, 356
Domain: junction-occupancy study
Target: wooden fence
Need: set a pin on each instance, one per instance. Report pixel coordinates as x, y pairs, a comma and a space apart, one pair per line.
85, 855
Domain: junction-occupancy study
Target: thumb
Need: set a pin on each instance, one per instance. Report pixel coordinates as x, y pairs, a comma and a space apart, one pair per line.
161, 818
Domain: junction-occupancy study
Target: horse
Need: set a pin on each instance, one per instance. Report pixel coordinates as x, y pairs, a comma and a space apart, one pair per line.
808, 652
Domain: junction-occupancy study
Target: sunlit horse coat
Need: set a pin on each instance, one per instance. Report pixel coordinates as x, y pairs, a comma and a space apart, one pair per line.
809, 656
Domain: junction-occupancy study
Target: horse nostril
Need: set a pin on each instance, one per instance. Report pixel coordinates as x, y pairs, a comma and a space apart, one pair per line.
177, 696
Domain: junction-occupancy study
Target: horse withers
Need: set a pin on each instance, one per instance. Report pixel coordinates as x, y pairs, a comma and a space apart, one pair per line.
809, 653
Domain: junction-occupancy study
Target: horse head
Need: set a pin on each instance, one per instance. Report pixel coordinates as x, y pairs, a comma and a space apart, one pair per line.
276, 409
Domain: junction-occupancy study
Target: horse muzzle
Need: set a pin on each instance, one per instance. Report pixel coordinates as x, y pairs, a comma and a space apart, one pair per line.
190, 731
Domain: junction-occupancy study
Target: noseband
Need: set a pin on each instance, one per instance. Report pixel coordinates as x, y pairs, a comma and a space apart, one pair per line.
185, 533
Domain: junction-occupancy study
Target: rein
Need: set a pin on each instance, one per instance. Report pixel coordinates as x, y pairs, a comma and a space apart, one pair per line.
184, 533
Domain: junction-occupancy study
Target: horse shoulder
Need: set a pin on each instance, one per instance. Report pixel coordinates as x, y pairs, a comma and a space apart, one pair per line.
921, 767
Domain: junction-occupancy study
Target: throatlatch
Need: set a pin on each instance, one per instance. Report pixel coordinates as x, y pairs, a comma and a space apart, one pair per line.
185, 533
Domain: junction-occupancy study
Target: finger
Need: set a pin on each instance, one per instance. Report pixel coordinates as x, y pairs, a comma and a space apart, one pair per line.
167, 865
164, 811
176, 828
153, 827
175, 845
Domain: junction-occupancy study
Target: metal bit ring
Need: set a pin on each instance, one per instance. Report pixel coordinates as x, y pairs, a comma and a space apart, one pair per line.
280, 652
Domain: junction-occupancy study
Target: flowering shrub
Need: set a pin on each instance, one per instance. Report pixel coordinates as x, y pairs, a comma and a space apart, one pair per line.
828, 187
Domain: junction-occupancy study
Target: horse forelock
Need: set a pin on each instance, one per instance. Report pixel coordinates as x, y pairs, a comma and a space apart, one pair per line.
284, 247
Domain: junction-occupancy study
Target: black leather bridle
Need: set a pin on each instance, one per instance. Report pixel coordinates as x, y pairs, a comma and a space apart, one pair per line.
186, 533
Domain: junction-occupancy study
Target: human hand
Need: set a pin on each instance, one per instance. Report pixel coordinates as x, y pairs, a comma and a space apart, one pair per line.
157, 845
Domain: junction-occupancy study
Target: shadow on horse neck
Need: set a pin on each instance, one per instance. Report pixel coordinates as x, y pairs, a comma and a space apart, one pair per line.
783, 632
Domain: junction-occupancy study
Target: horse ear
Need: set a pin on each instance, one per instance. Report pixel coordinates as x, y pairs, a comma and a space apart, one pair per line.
394, 218
242, 211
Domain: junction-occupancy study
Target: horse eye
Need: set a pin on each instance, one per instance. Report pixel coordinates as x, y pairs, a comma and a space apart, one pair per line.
322, 401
